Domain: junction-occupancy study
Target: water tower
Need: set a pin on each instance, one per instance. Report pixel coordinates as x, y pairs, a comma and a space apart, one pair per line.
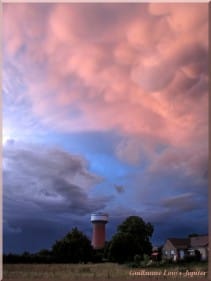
98, 221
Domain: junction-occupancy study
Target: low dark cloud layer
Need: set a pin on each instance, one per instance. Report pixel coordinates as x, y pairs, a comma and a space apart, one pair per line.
43, 185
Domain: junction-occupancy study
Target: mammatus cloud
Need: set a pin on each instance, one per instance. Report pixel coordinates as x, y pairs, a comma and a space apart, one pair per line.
96, 67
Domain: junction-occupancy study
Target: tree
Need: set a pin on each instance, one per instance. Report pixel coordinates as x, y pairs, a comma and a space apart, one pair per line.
132, 238
43, 256
122, 248
106, 250
73, 248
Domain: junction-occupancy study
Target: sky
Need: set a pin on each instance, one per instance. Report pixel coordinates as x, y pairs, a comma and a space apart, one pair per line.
105, 109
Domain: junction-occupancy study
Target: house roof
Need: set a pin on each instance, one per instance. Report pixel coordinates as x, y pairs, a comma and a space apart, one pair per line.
180, 243
199, 241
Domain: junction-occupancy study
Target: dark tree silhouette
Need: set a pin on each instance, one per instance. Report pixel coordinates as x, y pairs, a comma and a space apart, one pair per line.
132, 238
75, 247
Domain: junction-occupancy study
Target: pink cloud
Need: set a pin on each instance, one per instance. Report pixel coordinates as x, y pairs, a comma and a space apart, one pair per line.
182, 17
192, 162
134, 69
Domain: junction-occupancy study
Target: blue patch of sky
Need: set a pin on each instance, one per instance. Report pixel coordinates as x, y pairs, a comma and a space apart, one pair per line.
83, 143
98, 149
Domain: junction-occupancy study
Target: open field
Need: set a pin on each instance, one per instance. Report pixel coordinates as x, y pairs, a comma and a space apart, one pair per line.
103, 271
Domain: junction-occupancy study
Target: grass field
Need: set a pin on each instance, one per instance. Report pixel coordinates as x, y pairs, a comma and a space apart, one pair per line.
103, 271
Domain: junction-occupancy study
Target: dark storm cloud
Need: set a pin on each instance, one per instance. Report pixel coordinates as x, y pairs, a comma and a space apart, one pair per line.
49, 178
43, 184
169, 218
34, 234
182, 202
178, 216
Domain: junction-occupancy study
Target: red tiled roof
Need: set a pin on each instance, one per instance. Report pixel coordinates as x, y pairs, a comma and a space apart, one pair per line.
182, 243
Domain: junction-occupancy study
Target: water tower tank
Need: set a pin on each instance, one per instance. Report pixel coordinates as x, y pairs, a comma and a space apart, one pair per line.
98, 221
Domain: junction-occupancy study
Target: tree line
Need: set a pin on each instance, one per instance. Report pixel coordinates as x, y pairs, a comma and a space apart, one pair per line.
131, 241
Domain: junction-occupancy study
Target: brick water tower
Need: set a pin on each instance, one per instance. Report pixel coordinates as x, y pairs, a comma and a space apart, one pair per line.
98, 221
